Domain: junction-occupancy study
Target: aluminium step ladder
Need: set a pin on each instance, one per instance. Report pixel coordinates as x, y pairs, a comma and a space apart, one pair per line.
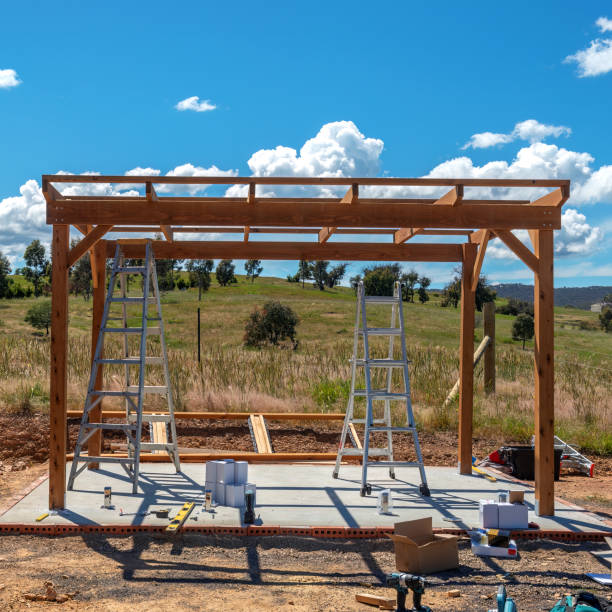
384, 394
134, 387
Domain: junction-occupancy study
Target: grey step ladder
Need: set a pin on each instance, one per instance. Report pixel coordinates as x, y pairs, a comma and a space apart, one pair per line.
385, 394
134, 386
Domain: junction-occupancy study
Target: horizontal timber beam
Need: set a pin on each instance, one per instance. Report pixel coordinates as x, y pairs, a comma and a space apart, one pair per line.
270, 416
283, 213
334, 251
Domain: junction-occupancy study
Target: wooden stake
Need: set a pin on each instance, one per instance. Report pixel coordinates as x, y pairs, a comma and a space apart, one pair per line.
544, 376
466, 356
58, 382
94, 446
488, 311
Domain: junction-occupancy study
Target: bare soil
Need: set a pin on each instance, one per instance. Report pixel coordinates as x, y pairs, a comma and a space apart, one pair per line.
25, 443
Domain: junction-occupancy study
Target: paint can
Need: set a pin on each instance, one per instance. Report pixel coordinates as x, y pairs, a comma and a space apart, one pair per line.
208, 500
385, 502
108, 493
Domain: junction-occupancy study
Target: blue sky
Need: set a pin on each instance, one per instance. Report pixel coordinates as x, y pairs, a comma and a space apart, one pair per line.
389, 88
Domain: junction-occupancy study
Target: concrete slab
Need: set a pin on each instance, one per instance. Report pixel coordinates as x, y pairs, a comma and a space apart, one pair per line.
292, 495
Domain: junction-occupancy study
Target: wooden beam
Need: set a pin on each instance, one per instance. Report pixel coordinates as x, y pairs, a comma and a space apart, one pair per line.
558, 198
325, 233
310, 251
466, 363
482, 249
544, 405
50, 192
251, 194
303, 180
285, 213
405, 233
94, 445
518, 248
59, 375
152, 196
87, 243
247, 230
237, 455
452, 198
488, 312
350, 197
222, 416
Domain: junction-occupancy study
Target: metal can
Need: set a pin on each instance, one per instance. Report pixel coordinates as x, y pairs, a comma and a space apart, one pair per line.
208, 500
108, 494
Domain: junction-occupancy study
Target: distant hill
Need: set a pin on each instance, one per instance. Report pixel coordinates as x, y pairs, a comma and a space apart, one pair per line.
579, 297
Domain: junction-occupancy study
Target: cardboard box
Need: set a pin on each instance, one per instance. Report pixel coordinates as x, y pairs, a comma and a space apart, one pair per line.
488, 514
419, 551
516, 497
513, 516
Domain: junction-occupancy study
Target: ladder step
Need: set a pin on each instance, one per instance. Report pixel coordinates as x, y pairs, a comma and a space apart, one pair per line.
156, 418
362, 421
156, 446
134, 361
131, 270
103, 459
392, 429
381, 363
131, 330
148, 389
110, 426
113, 393
380, 394
358, 452
394, 464
131, 300
381, 331
382, 299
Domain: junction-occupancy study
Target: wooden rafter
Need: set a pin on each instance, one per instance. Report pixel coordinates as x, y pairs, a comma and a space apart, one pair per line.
482, 249
405, 233
558, 197
152, 196
518, 248
350, 197
87, 243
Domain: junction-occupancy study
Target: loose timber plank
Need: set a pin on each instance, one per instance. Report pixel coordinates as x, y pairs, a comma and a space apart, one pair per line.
270, 416
260, 433
544, 405
466, 363
58, 380
241, 456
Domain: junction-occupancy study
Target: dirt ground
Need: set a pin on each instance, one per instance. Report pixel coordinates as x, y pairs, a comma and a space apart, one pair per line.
24, 444
193, 572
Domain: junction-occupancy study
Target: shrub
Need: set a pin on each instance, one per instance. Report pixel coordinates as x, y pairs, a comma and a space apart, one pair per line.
272, 324
522, 328
327, 392
225, 272
605, 318
515, 307
379, 280
39, 315
181, 284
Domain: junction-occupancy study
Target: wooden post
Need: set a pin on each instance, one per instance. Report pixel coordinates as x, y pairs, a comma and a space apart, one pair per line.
58, 382
544, 376
466, 356
98, 270
488, 311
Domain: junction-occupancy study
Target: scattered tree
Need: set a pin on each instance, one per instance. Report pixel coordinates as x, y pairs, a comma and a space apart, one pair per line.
452, 292
424, 282
5, 270
37, 265
304, 272
409, 281
319, 274
354, 281
80, 276
272, 324
605, 318
522, 328
515, 307
199, 274
253, 268
39, 315
225, 272
380, 280
335, 275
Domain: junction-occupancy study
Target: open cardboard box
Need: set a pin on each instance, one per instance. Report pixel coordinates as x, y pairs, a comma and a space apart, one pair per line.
419, 551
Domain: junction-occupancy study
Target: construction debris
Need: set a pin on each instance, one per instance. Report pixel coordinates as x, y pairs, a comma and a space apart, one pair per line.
51, 594
383, 603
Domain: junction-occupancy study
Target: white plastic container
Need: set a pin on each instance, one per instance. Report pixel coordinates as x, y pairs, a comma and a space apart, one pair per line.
234, 495
241, 472
385, 502
225, 472
488, 514
220, 494
211, 471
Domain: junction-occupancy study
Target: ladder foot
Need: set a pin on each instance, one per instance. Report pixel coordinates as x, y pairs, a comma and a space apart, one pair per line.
424, 490
392, 474
367, 490
335, 474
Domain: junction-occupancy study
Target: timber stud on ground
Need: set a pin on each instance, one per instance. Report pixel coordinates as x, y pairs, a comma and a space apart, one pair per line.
356, 212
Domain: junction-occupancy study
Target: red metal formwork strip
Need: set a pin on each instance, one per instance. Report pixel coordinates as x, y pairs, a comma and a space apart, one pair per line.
263, 530
362, 532
328, 532
296, 531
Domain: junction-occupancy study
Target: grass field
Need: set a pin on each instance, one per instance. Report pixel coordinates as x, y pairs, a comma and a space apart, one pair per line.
314, 377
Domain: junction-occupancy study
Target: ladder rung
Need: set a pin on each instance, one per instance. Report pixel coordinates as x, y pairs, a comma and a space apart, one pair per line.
132, 299
153, 330
122, 330
380, 395
394, 464
156, 446
103, 459
156, 418
381, 299
114, 426
113, 393
381, 331
134, 361
358, 452
392, 428
149, 389
131, 270
381, 363
362, 421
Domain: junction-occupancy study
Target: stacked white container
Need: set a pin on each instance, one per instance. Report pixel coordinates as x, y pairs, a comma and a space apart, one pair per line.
227, 479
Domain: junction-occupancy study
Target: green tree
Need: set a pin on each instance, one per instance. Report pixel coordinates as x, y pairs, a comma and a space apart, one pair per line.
37, 265
380, 280
304, 272
199, 274
39, 315
452, 292
484, 293
522, 328
80, 276
5, 270
272, 324
605, 318
354, 281
409, 281
253, 268
424, 282
225, 272
335, 275
320, 274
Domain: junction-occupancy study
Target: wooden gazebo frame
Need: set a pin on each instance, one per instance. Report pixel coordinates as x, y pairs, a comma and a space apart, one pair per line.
473, 221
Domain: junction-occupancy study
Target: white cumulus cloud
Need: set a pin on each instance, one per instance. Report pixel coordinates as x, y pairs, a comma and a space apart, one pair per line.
195, 104
529, 130
8, 78
596, 59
